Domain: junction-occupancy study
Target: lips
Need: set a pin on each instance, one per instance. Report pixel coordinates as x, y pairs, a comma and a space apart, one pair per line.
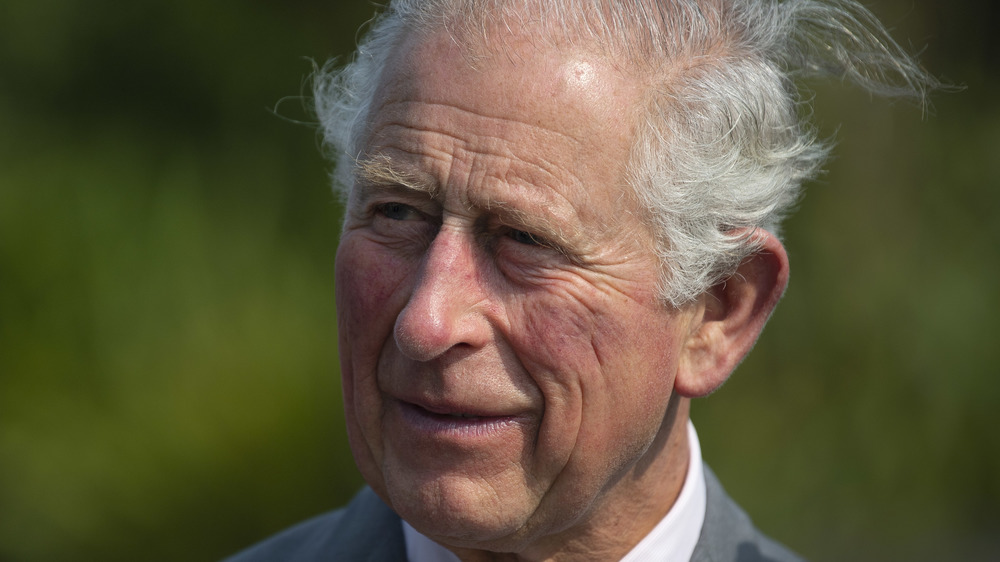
453, 421
451, 411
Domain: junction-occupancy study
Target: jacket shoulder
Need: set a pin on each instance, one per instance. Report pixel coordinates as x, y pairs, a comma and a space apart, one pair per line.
728, 534
364, 530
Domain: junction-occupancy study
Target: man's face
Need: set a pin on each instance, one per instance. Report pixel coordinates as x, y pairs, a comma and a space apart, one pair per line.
506, 362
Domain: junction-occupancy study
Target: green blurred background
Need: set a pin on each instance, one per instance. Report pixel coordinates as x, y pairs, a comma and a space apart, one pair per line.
168, 378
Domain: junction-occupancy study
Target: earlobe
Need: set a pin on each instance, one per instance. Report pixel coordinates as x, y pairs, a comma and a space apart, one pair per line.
729, 317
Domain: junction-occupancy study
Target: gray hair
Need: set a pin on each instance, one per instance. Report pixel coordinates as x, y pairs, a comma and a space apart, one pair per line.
725, 144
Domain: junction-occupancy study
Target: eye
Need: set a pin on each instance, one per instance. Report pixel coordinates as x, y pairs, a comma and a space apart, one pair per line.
398, 211
526, 238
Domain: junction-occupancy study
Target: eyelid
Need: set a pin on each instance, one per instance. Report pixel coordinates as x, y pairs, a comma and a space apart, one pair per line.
372, 197
387, 210
536, 239
498, 222
541, 240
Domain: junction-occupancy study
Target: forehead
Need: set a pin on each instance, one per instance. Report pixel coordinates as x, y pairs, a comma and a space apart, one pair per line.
558, 110
518, 75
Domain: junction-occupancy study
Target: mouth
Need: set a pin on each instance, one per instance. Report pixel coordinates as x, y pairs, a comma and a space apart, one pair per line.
454, 421
448, 411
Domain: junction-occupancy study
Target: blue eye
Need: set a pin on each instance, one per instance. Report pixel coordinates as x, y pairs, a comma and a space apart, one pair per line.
398, 211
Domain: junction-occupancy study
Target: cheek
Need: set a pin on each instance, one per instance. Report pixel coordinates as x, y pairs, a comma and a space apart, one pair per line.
615, 347
368, 293
606, 370
368, 288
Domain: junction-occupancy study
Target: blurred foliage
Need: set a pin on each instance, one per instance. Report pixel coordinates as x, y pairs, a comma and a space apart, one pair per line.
168, 385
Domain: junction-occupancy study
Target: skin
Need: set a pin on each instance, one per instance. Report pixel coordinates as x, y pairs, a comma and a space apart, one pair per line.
513, 386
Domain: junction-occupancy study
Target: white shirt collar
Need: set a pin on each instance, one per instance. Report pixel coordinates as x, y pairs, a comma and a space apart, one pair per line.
673, 538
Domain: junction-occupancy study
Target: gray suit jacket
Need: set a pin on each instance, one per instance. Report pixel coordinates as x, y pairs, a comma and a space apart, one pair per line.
368, 531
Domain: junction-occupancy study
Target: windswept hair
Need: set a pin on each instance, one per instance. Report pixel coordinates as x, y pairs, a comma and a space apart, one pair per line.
724, 145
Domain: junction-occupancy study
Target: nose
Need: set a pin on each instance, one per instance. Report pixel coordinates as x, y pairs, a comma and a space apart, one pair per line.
449, 300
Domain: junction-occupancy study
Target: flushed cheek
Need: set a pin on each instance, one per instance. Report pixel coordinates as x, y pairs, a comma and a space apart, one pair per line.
372, 288
368, 281
604, 391
552, 341
368, 291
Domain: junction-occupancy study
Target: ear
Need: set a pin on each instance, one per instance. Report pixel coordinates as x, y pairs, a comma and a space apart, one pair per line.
728, 318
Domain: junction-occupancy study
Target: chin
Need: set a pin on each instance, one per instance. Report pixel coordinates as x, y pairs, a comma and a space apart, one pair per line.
463, 513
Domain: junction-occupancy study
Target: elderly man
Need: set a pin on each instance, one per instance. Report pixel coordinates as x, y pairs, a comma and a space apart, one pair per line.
561, 226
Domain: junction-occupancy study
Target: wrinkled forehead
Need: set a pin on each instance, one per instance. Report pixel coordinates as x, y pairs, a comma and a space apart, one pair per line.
521, 72
570, 91
561, 119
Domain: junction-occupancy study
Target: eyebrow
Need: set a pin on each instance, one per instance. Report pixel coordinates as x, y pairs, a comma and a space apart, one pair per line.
380, 171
